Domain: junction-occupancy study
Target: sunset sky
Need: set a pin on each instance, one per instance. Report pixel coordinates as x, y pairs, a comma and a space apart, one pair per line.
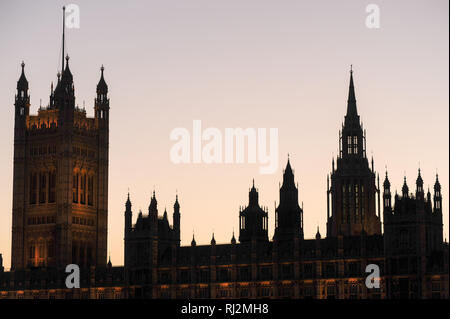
236, 63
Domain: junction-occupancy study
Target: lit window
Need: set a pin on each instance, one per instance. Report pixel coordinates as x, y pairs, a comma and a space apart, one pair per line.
349, 145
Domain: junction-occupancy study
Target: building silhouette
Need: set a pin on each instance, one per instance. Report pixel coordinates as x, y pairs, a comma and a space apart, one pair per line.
60, 216
353, 190
60, 184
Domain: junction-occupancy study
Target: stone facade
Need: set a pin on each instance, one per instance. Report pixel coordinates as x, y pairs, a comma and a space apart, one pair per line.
60, 185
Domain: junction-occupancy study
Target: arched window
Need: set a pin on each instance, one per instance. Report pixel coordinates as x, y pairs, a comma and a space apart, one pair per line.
32, 251
52, 187
344, 204
362, 202
83, 189
33, 188
355, 144
349, 145
91, 190
42, 187
75, 187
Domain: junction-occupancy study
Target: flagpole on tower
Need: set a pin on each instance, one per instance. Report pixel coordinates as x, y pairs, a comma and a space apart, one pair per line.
64, 23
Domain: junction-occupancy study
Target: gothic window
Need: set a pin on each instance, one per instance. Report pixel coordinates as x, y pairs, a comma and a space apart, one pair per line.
52, 187
42, 187
32, 251
41, 250
349, 145
75, 187
50, 249
91, 190
33, 188
362, 201
344, 203
349, 202
355, 144
356, 201
83, 189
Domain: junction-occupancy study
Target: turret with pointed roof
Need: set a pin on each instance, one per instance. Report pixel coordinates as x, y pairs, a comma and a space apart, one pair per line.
288, 214
253, 220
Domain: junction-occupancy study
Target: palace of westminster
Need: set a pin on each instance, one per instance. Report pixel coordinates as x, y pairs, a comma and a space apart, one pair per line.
60, 217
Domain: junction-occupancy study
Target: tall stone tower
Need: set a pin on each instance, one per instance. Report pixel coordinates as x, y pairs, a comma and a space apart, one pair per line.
60, 181
353, 190
288, 214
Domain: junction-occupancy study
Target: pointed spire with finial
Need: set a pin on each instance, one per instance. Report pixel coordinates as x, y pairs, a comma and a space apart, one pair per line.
419, 181
128, 202
102, 87
153, 203
351, 102
405, 188
318, 233
437, 185
22, 84
288, 176
386, 183
193, 243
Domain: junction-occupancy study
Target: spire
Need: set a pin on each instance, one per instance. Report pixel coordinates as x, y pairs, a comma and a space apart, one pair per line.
213, 240
386, 183
405, 188
351, 102
437, 185
253, 195
22, 84
419, 179
176, 206
153, 204
233, 239
288, 176
109, 262
419, 182
128, 202
193, 243
63, 42
102, 87
318, 233
67, 77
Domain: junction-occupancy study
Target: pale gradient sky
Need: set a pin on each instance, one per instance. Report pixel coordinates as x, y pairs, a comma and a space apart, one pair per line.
236, 63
